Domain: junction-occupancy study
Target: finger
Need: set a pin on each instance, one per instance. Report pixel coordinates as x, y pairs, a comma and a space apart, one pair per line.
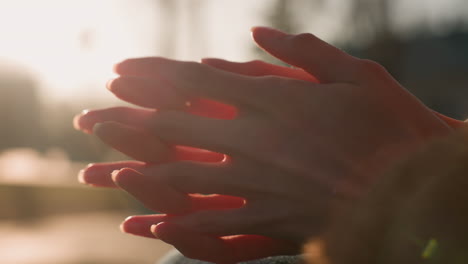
232, 249
215, 202
190, 130
190, 177
140, 225
213, 109
224, 222
153, 193
193, 244
156, 195
135, 117
147, 92
451, 122
306, 51
259, 68
192, 79
181, 153
125, 115
135, 143
248, 136
99, 174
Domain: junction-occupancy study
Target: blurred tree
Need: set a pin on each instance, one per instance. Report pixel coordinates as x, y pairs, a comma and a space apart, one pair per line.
20, 109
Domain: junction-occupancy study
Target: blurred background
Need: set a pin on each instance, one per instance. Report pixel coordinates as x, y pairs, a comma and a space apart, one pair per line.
56, 55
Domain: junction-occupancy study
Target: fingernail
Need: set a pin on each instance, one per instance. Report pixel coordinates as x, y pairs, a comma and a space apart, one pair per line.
154, 229
133, 227
77, 119
116, 66
109, 84
125, 224
114, 175
86, 174
81, 178
76, 122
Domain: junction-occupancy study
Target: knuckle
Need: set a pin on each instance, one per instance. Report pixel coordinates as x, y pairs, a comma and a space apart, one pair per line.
189, 65
175, 172
162, 120
188, 70
165, 116
228, 147
302, 39
200, 221
227, 135
218, 224
283, 91
279, 83
371, 67
263, 138
191, 70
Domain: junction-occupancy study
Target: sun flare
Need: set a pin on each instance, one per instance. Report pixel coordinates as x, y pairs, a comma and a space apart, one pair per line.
71, 44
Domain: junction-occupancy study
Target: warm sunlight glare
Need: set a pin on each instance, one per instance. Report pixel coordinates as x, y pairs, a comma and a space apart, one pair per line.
70, 43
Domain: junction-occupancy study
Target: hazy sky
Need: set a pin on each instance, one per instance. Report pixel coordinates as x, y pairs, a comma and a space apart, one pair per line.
71, 44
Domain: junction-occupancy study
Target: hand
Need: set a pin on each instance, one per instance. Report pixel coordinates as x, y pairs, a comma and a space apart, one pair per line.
416, 213
218, 250
412, 128
196, 245
300, 146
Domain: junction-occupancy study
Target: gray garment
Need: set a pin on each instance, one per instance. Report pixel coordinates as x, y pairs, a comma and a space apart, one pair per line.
174, 257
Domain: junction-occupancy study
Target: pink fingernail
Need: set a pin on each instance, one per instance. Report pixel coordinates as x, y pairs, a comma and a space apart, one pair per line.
114, 175
154, 229
128, 224
109, 84
86, 175
77, 120
81, 178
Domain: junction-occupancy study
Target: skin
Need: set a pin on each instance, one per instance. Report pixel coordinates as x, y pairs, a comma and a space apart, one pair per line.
298, 144
422, 199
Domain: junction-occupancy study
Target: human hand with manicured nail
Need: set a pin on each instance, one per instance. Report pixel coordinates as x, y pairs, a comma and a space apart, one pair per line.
297, 144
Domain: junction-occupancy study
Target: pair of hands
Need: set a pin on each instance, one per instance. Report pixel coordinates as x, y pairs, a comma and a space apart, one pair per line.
281, 150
